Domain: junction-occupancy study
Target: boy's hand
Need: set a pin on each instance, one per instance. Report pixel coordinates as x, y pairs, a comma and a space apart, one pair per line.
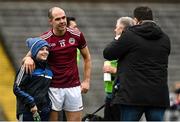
36, 117
35, 113
34, 109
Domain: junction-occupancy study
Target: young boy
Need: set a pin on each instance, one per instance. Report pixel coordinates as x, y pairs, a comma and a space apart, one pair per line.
31, 90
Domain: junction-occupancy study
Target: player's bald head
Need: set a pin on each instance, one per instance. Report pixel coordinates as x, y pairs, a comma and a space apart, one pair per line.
53, 11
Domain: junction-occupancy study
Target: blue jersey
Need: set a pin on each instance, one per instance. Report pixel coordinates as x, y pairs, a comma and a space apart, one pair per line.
32, 89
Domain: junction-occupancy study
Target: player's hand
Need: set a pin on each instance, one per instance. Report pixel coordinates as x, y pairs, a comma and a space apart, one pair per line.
85, 86
28, 64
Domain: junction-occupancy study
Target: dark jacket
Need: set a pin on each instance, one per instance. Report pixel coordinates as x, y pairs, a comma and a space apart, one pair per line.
32, 89
142, 50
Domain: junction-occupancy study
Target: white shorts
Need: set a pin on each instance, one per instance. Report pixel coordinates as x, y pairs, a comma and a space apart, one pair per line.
68, 99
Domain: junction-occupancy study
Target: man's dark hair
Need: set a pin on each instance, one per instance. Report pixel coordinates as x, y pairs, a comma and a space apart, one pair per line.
70, 19
50, 13
143, 13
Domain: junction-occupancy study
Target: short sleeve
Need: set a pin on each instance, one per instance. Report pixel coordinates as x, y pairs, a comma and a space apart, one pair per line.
82, 42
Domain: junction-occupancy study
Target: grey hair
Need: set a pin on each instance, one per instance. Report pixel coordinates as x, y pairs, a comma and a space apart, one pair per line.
126, 21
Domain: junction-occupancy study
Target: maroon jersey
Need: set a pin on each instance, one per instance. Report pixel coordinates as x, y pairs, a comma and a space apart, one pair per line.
62, 57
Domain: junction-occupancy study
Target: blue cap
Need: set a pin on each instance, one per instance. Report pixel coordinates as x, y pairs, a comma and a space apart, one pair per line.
35, 44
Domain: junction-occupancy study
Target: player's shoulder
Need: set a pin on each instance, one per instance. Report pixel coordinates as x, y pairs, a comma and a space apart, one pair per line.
74, 31
46, 35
